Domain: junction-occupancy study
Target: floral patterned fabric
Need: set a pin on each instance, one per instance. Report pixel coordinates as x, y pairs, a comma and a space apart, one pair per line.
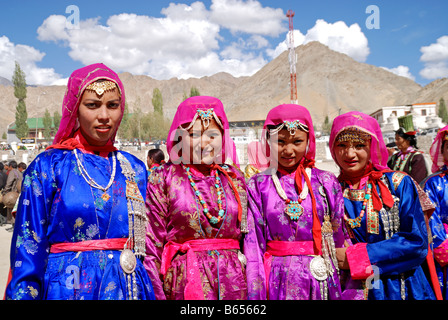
176, 215
58, 206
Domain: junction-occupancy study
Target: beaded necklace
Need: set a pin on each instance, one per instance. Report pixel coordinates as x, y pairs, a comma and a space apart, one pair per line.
219, 192
356, 223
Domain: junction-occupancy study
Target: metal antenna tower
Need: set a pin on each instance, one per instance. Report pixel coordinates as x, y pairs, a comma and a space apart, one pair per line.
292, 58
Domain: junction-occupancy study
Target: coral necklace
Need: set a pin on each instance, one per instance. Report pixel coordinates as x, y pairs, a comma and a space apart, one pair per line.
219, 192
356, 223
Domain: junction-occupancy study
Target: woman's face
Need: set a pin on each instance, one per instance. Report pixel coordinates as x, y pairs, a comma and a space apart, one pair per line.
286, 149
402, 143
204, 144
99, 116
445, 151
352, 158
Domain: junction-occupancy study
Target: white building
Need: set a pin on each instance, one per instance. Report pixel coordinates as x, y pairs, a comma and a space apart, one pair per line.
424, 116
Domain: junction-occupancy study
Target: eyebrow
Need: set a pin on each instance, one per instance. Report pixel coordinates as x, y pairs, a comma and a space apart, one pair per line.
97, 100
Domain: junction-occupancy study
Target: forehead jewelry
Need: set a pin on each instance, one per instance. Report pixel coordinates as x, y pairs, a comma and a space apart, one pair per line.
291, 126
206, 116
353, 136
101, 86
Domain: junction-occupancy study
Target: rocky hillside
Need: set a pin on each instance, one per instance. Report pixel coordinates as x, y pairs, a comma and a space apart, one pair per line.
327, 81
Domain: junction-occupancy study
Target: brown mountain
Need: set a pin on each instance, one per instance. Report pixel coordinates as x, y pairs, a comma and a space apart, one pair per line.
328, 82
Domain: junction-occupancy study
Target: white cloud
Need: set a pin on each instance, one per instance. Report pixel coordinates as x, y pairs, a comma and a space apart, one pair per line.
184, 43
337, 36
27, 57
402, 71
248, 16
435, 58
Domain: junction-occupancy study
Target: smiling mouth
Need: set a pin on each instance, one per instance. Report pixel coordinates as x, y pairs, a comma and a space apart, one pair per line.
351, 163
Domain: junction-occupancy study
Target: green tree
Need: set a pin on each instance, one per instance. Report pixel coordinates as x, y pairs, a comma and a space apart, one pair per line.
4, 136
326, 127
442, 110
157, 101
56, 120
194, 92
18, 79
47, 125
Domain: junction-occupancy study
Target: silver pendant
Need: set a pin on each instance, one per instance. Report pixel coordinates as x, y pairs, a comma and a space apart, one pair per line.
318, 268
128, 262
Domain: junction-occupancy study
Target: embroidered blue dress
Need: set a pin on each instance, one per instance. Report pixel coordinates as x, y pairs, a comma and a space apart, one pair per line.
58, 206
436, 187
396, 262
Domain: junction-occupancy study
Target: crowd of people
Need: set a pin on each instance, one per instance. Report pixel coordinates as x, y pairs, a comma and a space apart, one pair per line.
93, 223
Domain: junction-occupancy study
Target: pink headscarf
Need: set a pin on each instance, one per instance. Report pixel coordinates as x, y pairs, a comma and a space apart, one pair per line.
186, 113
435, 150
290, 112
77, 83
256, 156
364, 122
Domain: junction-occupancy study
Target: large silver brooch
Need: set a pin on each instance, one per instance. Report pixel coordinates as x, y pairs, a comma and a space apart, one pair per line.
318, 268
128, 261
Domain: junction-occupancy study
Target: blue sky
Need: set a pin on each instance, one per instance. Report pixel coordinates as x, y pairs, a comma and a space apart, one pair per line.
165, 39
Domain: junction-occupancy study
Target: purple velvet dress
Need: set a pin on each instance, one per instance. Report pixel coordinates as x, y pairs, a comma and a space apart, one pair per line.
176, 215
290, 277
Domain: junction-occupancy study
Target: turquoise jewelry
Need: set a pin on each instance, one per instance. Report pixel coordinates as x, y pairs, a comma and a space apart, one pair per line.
291, 126
293, 208
219, 192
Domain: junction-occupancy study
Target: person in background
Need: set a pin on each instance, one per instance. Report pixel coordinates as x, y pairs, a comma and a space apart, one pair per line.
3, 178
21, 166
408, 159
155, 159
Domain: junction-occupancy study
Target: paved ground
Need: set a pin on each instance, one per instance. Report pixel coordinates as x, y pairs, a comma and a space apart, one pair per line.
5, 244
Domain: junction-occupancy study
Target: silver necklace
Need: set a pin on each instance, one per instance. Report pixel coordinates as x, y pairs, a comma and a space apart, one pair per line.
92, 182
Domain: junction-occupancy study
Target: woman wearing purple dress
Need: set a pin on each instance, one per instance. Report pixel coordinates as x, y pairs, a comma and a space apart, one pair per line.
297, 211
197, 209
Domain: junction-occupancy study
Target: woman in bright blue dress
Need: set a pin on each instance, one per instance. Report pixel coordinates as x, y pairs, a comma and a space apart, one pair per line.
436, 187
383, 215
80, 224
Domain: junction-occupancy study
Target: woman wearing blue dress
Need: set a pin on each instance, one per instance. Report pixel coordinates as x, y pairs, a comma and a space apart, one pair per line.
80, 223
383, 215
436, 187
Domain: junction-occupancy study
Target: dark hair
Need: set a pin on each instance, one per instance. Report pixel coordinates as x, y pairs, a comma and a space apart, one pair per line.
13, 164
411, 138
157, 155
22, 165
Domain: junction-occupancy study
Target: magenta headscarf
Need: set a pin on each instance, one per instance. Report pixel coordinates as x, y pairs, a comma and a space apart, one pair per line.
435, 150
364, 122
77, 83
186, 113
290, 112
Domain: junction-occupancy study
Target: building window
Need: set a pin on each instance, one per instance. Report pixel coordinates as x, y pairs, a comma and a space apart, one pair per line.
423, 112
